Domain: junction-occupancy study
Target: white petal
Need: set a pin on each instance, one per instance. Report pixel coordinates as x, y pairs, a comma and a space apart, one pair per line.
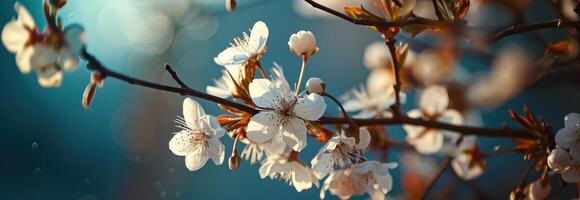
264, 94
294, 134
24, 16
196, 159
434, 100
461, 167
301, 178
261, 128
567, 137
181, 144
210, 126
258, 37
451, 117
43, 56
24, 59
414, 131
265, 169
385, 182
49, 77
192, 111
572, 120
364, 139
231, 56
572, 175
68, 59
14, 36
216, 151
430, 142
74, 36
310, 108
321, 165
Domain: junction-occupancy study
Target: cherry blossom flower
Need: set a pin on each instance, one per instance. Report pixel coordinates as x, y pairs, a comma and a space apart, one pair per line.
254, 152
290, 170
433, 66
369, 177
225, 86
340, 152
303, 43
465, 163
246, 48
377, 55
34, 52
565, 158
283, 114
433, 105
370, 103
198, 140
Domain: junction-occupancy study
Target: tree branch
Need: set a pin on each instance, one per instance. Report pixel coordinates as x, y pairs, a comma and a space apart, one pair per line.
517, 29
397, 87
95, 65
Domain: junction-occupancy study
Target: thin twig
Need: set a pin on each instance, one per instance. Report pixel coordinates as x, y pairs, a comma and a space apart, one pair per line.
175, 76
397, 107
517, 29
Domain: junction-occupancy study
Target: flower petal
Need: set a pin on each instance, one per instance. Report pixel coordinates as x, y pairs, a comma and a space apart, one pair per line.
196, 159
14, 36
261, 128
216, 151
24, 59
301, 178
210, 126
24, 17
68, 59
434, 100
258, 37
310, 108
430, 142
572, 120
192, 112
461, 166
231, 56
294, 134
364, 139
181, 144
264, 94
49, 77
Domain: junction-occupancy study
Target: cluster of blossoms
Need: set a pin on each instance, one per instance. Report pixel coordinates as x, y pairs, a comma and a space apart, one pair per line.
274, 120
49, 51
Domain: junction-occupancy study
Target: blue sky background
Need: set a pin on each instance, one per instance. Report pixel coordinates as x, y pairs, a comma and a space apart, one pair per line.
52, 148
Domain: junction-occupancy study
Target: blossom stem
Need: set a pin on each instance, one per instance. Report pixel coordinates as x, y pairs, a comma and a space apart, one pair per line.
444, 164
95, 65
261, 69
350, 121
302, 69
397, 87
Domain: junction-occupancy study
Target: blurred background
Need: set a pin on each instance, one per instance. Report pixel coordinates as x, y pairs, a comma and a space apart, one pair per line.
52, 148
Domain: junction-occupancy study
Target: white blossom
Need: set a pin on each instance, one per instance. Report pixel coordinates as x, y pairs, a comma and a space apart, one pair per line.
433, 105
289, 170
225, 86
370, 103
463, 164
198, 140
283, 114
369, 177
377, 55
565, 158
303, 43
340, 152
245, 48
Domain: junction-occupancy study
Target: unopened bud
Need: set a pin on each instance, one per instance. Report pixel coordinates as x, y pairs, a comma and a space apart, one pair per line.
89, 94
315, 85
98, 79
303, 43
234, 162
231, 5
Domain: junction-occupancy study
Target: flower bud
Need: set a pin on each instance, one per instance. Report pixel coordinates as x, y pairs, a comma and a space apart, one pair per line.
315, 85
303, 43
89, 94
231, 5
234, 161
98, 79
559, 159
538, 191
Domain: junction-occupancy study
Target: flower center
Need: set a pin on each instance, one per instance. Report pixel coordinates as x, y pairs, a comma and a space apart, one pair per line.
344, 156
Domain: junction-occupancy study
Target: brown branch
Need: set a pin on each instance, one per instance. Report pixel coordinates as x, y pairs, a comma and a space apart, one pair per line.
397, 87
95, 65
517, 29
411, 21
